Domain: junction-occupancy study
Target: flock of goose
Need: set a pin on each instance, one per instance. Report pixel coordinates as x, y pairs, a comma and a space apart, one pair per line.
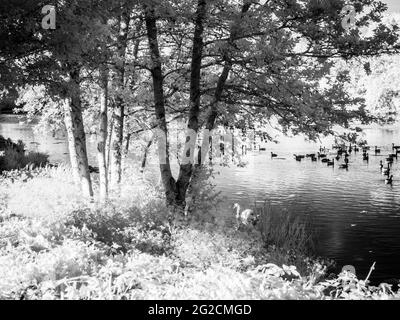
343, 152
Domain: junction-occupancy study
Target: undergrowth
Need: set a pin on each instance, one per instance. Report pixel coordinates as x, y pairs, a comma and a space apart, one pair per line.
56, 245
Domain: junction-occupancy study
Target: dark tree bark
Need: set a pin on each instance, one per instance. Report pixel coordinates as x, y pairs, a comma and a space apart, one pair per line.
146, 152
158, 92
186, 169
213, 109
76, 134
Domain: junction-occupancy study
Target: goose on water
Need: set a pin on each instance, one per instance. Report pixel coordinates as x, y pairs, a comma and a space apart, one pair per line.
395, 147
389, 160
386, 171
389, 180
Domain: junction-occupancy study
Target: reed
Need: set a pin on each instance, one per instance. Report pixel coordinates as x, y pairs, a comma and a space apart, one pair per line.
285, 230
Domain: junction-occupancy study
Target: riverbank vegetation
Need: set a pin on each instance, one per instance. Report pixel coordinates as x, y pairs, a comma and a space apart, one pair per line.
56, 245
14, 157
143, 75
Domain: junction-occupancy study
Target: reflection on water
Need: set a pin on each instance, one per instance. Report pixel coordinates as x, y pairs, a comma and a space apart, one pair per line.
356, 214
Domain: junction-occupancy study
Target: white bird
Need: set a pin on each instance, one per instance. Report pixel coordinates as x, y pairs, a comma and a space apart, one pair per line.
245, 217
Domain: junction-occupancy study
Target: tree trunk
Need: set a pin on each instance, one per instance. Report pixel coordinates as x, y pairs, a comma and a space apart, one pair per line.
127, 142
119, 111
186, 169
158, 92
73, 157
146, 152
76, 135
213, 109
108, 143
102, 137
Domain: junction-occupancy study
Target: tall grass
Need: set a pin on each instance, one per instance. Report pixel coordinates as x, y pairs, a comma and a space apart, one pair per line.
285, 230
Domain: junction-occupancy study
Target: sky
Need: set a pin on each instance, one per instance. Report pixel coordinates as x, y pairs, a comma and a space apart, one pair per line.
394, 5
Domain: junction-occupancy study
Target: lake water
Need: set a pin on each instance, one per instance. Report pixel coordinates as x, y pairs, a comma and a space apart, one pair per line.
357, 216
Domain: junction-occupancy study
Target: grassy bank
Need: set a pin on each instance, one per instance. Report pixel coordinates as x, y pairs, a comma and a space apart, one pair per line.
56, 245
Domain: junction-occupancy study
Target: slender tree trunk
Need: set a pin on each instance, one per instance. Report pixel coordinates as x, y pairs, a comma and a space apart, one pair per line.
146, 152
108, 143
158, 91
213, 109
119, 111
102, 137
73, 157
186, 169
76, 135
127, 142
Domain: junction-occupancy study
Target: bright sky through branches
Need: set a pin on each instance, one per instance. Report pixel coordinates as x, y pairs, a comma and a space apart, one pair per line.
394, 5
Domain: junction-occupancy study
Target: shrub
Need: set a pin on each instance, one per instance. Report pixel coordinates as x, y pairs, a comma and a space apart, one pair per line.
13, 159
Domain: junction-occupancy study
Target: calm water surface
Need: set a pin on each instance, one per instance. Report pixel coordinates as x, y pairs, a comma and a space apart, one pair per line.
357, 216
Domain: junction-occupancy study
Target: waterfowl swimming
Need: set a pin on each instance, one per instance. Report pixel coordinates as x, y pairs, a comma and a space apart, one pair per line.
298, 158
313, 159
389, 180
365, 156
377, 150
350, 149
331, 163
386, 171
389, 160
311, 155
320, 155
93, 169
273, 155
393, 155
325, 160
395, 147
